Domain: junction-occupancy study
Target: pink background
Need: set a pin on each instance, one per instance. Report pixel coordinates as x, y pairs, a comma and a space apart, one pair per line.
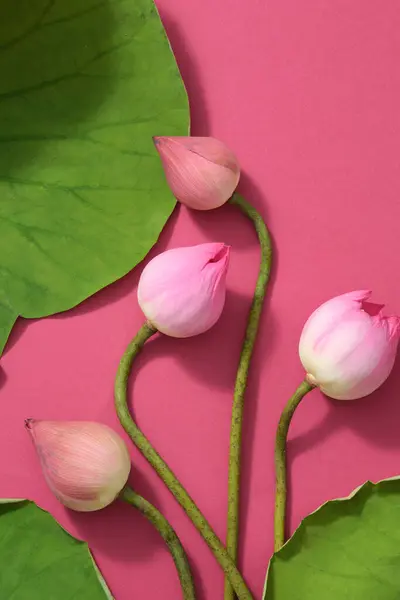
307, 94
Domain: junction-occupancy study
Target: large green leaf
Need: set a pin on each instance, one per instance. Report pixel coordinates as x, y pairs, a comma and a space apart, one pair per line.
41, 561
84, 85
349, 549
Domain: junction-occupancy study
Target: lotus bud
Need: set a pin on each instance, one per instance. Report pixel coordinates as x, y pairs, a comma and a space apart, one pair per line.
348, 347
85, 464
182, 291
201, 171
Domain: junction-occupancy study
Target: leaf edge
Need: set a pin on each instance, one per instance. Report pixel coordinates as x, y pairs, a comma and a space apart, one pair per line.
96, 569
304, 522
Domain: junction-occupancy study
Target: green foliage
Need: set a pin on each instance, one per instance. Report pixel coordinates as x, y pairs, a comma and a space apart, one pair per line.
349, 549
84, 85
41, 560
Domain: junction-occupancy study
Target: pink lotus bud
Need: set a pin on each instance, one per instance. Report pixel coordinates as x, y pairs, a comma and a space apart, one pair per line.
85, 464
348, 347
182, 291
201, 171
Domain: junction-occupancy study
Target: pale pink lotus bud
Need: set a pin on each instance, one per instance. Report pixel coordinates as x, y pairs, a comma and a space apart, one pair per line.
201, 171
85, 464
348, 347
182, 291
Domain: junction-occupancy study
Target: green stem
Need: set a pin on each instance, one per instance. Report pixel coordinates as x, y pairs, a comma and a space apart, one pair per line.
159, 465
169, 536
241, 381
280, 462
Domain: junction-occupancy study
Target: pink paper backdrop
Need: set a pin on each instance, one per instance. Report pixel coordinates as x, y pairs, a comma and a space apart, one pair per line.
308, 94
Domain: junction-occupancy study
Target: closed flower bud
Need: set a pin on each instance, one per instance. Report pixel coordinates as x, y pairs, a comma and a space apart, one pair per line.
348, 347
85, 464
182, 291
201, 171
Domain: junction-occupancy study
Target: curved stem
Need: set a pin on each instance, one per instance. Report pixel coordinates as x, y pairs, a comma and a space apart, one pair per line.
159, 465
241, 381
169, 536
280, 462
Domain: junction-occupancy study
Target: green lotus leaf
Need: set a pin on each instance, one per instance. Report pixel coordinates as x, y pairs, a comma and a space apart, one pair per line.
349, 549
41, 560
84, 85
